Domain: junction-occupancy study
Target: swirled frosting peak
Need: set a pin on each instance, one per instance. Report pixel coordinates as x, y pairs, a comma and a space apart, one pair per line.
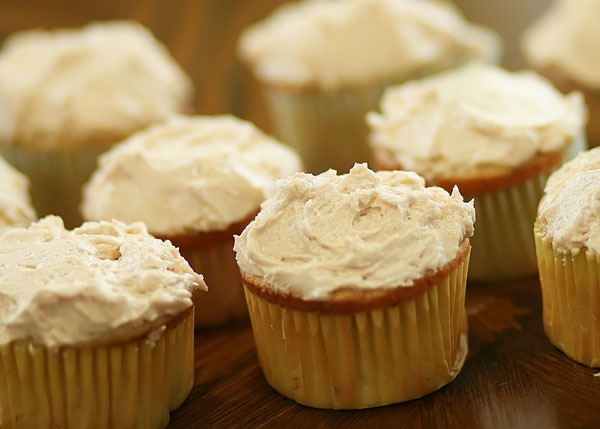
472, 121
15, 205
568, 213
103, 281
95, 85
188, 175
339, 44
318, 234
567, 38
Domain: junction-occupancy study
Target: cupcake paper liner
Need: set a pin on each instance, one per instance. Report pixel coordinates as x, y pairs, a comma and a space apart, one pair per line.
580, 145
224, 301
570, 283
503, 246
365, 359
56, 178
129, 385
327, 129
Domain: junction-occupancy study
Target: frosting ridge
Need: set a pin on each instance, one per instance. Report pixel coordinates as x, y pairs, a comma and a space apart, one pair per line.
188, 174
364, 230
567, 37
15, 204
99, 282
97, 84
478, 119
340, 44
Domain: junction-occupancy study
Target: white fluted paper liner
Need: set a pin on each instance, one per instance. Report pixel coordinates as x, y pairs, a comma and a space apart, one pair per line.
129, 385
365, 359
225, 299
570, 283
327, 129
57, 178
503, 246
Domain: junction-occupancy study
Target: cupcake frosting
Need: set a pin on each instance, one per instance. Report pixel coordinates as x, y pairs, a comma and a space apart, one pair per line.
66, 87
96, 283
366, 230
567, 38
15, 205
187, 175
568, 213
475, 120
340, 44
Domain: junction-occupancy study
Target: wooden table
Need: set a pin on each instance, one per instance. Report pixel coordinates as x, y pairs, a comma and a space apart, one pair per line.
513, 378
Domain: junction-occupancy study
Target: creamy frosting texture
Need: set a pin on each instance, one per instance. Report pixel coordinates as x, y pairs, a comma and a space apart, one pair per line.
474, 120
188, 174
366, 230
338, 44
15, 204
95, 283
568, 213
567, 37
64, 88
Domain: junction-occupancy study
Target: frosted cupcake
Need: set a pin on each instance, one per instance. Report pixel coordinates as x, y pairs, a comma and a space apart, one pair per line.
567, 233
70, 94
355, 286
195, 181
563, 44
96, 326
324, 64
495, 134
15, 205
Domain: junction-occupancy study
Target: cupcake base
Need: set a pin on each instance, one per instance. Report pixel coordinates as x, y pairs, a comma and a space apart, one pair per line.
364, 359
327, 129
57, 179
126, 385
503, 246
570, 283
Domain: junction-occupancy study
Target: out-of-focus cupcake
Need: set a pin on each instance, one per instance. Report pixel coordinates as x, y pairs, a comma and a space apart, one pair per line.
567, 233
96, 326
195, 181
15, 205
563, 44
495, 134
324, 64
355, 286
67, 95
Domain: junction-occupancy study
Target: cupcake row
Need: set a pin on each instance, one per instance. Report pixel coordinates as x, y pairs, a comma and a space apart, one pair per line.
354, 283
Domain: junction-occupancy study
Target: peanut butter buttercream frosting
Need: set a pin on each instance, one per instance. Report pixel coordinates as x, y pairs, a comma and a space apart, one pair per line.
340, 44
100, 282
473, 121
15, 204
568, 213
567, 38
188, 175
67, 87
364, 230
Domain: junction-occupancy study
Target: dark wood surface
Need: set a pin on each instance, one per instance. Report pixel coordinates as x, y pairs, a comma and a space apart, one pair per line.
513, 378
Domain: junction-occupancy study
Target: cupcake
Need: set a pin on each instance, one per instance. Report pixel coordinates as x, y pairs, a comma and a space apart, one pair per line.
495, 134
563, 44
323, 65
567, 234
96, 326
15, 205
68, 95
196, 181
356, 285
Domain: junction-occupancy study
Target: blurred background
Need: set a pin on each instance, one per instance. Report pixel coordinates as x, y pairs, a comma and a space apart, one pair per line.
202, 36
